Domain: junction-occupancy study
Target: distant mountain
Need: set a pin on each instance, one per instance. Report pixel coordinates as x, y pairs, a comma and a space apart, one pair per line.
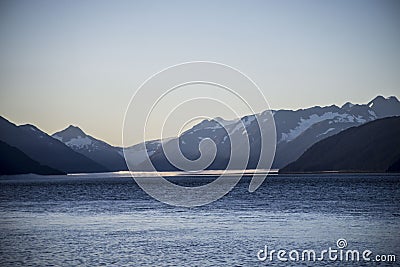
385, 107
45, 149
296, 131
71, 150
95, 149
216, 130
14, 161
137, 154
371, 147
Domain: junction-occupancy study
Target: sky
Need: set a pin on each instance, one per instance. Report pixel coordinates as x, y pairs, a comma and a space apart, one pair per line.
79, 62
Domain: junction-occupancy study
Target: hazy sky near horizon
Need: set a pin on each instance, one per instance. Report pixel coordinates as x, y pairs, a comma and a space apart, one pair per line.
79, 62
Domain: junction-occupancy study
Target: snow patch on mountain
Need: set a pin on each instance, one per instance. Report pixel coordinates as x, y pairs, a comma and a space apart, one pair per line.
327, 131
79, 142
304, 124
59, 138
216, 127
139, 153
238, 126
373, 114
243, 124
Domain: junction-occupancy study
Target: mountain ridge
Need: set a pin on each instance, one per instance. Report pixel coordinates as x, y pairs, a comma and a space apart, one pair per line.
95, 149
44, 149
295, 130
371, 147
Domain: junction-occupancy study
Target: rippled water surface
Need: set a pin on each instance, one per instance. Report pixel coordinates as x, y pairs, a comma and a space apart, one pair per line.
106, 219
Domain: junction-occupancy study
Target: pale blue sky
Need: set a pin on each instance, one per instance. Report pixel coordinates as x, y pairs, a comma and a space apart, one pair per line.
79, 62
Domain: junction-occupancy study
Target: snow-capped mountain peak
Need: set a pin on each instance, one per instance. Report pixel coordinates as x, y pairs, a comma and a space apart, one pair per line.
91, 147
74, 137
79, 142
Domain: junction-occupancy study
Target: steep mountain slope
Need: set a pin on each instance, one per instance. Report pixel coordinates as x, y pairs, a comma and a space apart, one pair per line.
298, 130
372, 147
45, 149
349, 115
95, 149
14, 161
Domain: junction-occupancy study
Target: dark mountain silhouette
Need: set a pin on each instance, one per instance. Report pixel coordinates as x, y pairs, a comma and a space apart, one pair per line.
97, 150
14, 161
395, 167
45, 149
372, 147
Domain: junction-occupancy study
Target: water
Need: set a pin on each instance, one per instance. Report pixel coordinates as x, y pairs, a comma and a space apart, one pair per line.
105, 219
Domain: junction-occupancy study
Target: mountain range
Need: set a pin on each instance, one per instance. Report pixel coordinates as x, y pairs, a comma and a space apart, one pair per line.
72, 150
45, 149
296, 131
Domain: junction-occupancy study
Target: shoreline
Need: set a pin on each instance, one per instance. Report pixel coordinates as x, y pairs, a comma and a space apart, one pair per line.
207, 173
